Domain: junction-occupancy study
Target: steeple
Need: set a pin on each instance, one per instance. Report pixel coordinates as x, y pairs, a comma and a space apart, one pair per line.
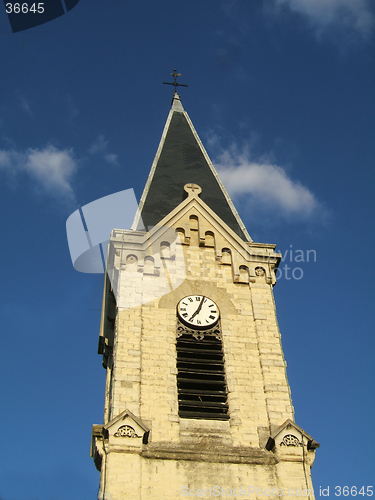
181, 159
196, 392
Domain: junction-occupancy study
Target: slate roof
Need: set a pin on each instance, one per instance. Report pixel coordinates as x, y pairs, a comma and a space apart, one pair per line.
181, 159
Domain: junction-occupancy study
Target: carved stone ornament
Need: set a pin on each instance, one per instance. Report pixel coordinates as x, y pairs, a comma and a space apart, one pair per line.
259, 271
198, 334
126, 431
192, 188
290, 440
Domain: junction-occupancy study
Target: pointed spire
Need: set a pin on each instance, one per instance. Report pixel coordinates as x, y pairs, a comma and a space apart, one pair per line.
176, 103
182, 159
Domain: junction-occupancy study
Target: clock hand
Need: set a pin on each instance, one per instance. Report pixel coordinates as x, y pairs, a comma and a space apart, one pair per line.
198, 310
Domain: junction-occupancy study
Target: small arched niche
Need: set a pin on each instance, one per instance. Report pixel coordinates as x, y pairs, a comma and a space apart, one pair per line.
209, 239
149, 267
244, 274
193, 222
181, 235
194, 240
226, 256
165, 250
131, 263
260, 273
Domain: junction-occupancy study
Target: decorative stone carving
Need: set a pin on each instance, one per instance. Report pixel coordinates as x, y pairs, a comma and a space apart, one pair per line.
131, 263
126, 425
259, 271
290, 440
192, 188
126, 431
198, 334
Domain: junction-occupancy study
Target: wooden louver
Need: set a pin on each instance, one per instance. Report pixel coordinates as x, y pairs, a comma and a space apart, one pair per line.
202, 391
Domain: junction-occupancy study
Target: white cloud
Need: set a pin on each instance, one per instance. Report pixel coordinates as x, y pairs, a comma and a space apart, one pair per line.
50, 167
354, 15
98, 146
111, 158
267, 185
53, 168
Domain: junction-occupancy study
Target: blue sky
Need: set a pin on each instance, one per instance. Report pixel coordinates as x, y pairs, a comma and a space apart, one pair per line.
281, 93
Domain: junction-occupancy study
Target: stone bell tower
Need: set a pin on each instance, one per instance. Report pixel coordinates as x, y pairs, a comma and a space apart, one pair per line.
197, 399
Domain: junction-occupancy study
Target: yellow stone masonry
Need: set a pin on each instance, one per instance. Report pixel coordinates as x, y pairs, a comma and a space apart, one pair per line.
145, 450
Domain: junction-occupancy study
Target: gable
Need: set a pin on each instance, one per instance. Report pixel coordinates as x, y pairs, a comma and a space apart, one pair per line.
199, 226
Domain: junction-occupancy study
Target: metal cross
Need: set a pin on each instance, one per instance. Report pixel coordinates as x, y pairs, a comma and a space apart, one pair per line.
175, 83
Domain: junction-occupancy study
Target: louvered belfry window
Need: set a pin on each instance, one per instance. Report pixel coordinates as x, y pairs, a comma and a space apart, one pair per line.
202, 390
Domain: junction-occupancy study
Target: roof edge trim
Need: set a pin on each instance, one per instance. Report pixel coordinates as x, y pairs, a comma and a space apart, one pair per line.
138, 214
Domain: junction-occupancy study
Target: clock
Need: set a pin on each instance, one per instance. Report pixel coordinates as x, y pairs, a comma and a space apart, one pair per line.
198, 311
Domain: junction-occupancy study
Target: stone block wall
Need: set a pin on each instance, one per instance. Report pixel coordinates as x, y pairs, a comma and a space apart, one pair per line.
201, 454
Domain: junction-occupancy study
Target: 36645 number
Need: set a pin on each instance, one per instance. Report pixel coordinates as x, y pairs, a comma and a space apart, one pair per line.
23, 8
353, 491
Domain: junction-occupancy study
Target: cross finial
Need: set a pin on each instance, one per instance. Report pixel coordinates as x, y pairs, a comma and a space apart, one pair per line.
175, 83
192, 189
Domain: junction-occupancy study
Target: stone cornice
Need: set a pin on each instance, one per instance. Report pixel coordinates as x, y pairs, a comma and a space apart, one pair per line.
234, 455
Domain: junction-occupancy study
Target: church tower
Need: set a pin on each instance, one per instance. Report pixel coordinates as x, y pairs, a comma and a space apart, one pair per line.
197, 400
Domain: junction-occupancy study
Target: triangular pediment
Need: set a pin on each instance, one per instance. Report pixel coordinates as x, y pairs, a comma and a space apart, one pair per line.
209, 225
290, 426
126, 424
194, 203
290, 435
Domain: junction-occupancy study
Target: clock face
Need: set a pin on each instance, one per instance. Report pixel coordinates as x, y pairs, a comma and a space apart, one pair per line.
198, 311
